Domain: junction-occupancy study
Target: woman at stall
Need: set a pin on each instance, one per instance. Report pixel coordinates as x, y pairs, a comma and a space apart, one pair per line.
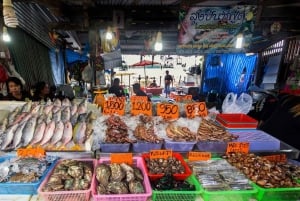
42, 92
15, 90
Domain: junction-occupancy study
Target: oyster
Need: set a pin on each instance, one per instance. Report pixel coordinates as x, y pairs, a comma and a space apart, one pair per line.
84, 184
101, 189
75, 171
88, 173
116, 187
25, 178
102, 174
69, 184
117, 173
138, 174
136, 187
129, 172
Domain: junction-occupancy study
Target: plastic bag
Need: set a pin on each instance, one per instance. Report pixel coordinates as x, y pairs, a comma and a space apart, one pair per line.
87, 74
234, 104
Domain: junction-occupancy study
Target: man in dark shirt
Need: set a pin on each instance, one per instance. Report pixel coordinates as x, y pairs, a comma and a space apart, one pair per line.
138, 91
168, 82
116, 88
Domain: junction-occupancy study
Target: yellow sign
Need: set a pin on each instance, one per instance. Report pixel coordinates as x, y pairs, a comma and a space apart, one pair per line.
168, 111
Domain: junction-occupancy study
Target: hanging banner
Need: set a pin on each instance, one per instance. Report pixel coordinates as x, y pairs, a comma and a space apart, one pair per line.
215, 29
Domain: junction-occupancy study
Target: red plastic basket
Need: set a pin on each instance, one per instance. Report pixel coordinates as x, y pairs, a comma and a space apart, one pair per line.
240, 121
178, 156
83, 195
138, 162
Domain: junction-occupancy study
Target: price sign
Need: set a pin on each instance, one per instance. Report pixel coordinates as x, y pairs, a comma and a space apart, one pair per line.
114, 105
121, 158
160, 153
141, 108
181, 98
276, 158
138, 99
31, 152
199, 156
237, 147
195, 109
168, 111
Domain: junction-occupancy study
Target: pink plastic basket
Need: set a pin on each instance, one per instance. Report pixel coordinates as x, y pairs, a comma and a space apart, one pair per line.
138, 162
83, 195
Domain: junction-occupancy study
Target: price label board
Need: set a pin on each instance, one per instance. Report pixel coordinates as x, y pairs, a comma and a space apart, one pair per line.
31, 152
181, 98
114, 105
276, 158
121, 158
140, 105
199, 156
160, 153
196, 109
237, 147
168, 111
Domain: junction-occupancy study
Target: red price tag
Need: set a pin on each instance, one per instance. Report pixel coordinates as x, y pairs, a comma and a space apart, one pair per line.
196, 109
168, 111
199, 156
237, 147
276, 158
114, 105
160, 153
121, 158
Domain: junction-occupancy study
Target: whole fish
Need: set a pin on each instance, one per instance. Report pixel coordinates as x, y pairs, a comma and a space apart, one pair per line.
12, 115
38, 133
66, 102
57, 102
74, 119
55, 109
27, 107
89, 130
58, 133
66, 114
3, 125
79, 133
8, 136
28, 131
26, 117
18, 135
48, 109
74, 108
35, 109
57, 116
19, 118
68, 131
82, 108
49, 131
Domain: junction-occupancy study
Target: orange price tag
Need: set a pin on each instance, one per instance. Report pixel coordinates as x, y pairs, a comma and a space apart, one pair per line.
160, 153
121, 158
237, 147
195, 109
276, 158
138, 99
114, 105
199, 156
181, 98
141, 107
168, 111
31, 152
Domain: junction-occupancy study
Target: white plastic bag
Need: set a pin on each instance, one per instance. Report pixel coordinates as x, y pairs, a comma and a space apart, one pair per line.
232, 104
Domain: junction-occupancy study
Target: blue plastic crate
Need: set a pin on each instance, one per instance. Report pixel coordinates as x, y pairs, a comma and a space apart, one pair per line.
114, 148
23, 188
179, 146
141, 147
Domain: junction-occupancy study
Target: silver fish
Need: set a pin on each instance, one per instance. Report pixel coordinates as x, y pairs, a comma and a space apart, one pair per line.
58, 133
48, 109
8, 136
19, 118
57, 102
74, 119
28, 131
66, 102
35, 109
12, 115
3, 125
79, 132
49, 131
38, 133
26, 117
82, 108
18, 135
68, 131
74, 108
27, 107
57, 116
55, 109
66, 114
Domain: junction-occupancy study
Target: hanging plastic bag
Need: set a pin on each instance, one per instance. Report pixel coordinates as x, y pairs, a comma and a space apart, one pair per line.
232, 104
87, 74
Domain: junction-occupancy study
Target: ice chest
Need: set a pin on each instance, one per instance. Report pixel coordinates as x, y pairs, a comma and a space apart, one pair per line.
237, 121
179, 146
141, 147
114, 148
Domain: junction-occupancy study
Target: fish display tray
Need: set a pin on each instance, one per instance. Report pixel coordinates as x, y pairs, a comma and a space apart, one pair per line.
179, 146
258, 141
23, 188
237, 121
138, 161
167, 195
114, 148
80, 195
141, 147
178, 156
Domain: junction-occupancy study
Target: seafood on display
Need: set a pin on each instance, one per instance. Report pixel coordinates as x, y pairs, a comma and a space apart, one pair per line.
52, 125
170, 165
117, 130
70, 175
24, 170
119, 179
145, 131
210, 131
180, 133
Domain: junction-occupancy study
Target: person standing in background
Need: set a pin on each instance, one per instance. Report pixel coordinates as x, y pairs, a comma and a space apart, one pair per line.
116, 88
15, 90
168, 82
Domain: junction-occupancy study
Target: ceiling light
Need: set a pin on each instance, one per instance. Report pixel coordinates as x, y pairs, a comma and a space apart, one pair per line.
239, 41
109, 34
5, 35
